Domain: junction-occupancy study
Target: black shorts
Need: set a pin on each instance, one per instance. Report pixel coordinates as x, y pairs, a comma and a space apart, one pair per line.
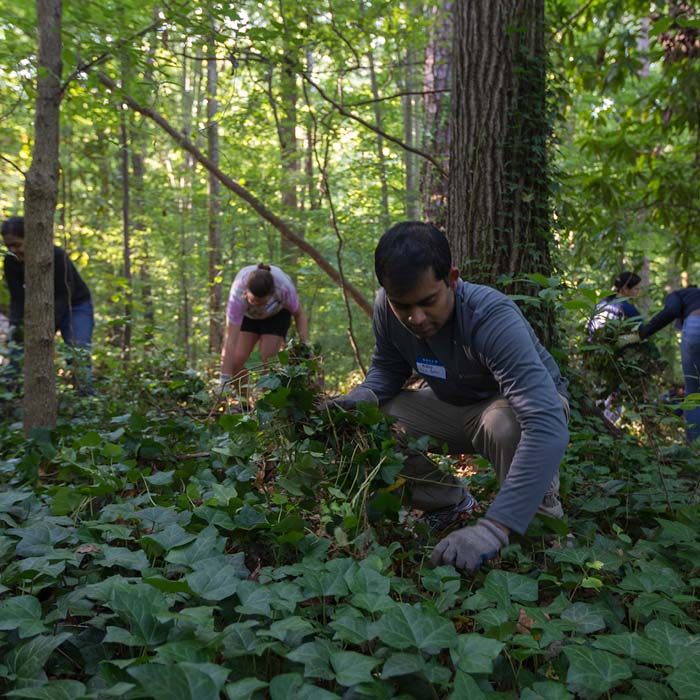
275, 325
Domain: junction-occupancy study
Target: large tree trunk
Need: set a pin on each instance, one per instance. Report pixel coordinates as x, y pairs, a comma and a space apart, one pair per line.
437, 80
498, 209
40, 196
215, 330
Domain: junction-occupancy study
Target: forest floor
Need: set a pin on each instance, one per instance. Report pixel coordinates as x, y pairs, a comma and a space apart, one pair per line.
155, 545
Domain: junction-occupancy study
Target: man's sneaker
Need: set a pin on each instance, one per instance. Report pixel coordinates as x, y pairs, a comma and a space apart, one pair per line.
551, 506
444, 518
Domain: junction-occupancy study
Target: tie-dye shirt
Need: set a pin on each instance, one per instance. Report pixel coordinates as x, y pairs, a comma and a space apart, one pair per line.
284, 296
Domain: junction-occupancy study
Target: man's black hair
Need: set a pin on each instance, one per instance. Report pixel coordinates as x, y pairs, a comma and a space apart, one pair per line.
406, 251
14, 226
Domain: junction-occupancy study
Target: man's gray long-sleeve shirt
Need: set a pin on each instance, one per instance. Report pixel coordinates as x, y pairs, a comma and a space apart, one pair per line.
487, 349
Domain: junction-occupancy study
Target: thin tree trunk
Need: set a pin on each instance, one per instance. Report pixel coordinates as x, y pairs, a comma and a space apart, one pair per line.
40, 197
126, 238
437, 78
214, 238
383, 182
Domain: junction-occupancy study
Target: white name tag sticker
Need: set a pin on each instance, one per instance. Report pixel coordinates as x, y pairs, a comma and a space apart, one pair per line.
431, 368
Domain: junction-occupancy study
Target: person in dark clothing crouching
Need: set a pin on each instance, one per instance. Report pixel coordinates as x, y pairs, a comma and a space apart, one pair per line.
73, 311
492, 389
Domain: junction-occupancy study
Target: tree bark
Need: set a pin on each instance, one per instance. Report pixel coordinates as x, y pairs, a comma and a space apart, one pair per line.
214, 238
40, 197
498, 209
282, 226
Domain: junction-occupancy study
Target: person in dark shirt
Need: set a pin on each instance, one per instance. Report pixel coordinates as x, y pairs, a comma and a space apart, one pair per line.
492, 388
73, 312
683, 307
616, 306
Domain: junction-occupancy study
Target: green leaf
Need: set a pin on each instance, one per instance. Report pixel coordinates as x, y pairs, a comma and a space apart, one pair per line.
249, 518
208, 544
316, 659
546, 690
475, 653
184, 681
685, 680
465, 687
54, 690
138, 605
170, 537
291, 630
584, 618
633, 645
244, 689
408, 626
123, 557
212, 581
676, 644
648, 690
593, 671
400, 664
352, 668
354, 630
519, 587
22, 613
26, 660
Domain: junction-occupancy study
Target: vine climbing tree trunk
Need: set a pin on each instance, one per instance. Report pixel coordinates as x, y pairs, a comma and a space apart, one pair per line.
40, 197
498, 218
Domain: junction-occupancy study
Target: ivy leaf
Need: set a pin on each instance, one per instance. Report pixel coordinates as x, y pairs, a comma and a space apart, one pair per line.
291, 686
123, 557
648, 690
212, 581
255, 599
546, 690
676, 644
244, 689
354, 630
633, 645
584, 618
316, 659
519, 587
594, 671
465, 687
685, 680
208, 544
475, 653
407, 626
248, 518
138, 605
25, 662
22, 613
55, 690
401, 664
185, 681
290, 630
352, 668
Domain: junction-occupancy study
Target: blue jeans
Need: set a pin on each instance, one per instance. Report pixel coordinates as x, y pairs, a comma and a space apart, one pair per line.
76, 328
690, 360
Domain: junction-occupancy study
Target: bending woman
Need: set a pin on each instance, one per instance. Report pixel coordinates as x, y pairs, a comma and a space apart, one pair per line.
260, 307
73, 312
683, 306
616, 306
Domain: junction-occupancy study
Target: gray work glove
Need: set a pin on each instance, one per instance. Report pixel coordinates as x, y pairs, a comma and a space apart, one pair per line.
470, 547
348, 401
628, 339
224, 380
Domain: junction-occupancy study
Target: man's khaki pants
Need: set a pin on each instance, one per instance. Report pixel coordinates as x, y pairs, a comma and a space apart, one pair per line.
488, 428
